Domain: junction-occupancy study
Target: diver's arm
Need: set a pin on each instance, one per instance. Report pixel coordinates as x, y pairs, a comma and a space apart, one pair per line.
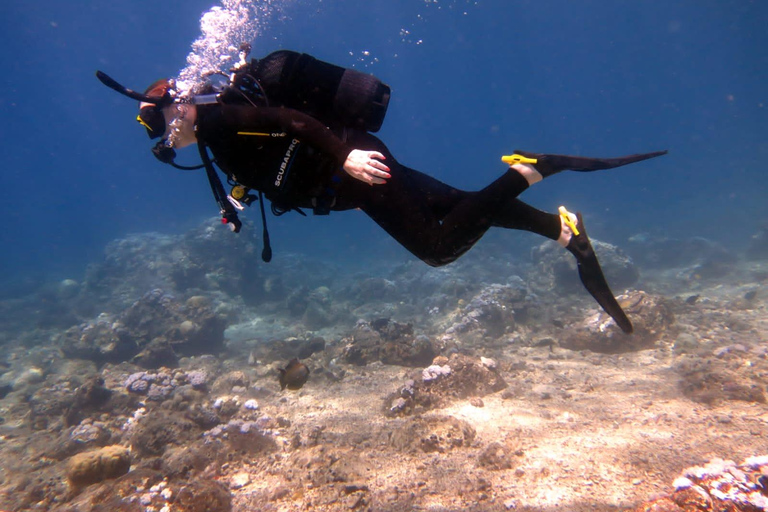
362, 165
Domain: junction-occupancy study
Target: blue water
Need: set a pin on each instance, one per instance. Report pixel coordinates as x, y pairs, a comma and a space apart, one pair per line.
471, 81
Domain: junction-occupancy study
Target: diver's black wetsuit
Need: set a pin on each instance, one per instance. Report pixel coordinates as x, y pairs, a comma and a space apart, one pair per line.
297, 162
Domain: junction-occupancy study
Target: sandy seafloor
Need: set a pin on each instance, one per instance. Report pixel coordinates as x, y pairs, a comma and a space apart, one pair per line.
533, 426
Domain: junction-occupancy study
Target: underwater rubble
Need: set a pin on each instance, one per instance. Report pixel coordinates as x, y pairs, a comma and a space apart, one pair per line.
491, 384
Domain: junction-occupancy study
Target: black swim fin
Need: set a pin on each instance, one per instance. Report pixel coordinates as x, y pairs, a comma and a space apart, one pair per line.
592, 276
547, 165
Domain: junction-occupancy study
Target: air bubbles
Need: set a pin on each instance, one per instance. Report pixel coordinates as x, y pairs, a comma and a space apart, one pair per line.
436, 8
364, 58
223, 28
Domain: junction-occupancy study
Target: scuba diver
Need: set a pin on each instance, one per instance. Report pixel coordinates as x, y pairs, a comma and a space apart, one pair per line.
298, 131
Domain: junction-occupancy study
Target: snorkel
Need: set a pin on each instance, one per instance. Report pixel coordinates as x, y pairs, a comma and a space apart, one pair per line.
159, 101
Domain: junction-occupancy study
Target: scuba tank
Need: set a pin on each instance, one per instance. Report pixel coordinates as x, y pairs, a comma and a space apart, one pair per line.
336, 96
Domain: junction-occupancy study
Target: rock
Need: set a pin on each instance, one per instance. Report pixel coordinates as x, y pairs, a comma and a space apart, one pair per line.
244, 437
462, 377
310, 346
543, 392
446, 433
476, 402
492, 312
155, 330
562, 275
29, 376
685, 342
87, 435
228, 381
198, 302
495, 456
434, 372
713, 382
650, 316
192, 458
488, 363
90, 397
203, 496
389, 342
159, 430
251, 405
95, 466
239, 480
467, 378
432, 434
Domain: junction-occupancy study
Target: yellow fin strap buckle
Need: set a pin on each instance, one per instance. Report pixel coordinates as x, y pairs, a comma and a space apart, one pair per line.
142, 123
566, 216
518, 159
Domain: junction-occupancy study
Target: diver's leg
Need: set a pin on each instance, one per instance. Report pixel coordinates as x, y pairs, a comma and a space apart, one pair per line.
519, 215
568, 230
411, 207
434, 221
438, 223
547, 165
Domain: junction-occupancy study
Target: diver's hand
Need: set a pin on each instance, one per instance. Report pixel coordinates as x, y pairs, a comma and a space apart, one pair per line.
364, 166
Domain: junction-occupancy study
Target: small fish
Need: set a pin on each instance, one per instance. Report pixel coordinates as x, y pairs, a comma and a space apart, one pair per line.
692, 300
294, 375
750, 295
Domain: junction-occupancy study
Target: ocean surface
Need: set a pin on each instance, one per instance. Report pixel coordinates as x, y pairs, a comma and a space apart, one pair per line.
135, 328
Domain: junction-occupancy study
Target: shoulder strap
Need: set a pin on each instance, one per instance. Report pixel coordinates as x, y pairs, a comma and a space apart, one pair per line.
227, 210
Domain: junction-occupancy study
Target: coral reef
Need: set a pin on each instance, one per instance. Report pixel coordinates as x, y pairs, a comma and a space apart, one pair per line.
389, 342
718, 485
155, 330
94, 466
492, 312
444, 380
485, 385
